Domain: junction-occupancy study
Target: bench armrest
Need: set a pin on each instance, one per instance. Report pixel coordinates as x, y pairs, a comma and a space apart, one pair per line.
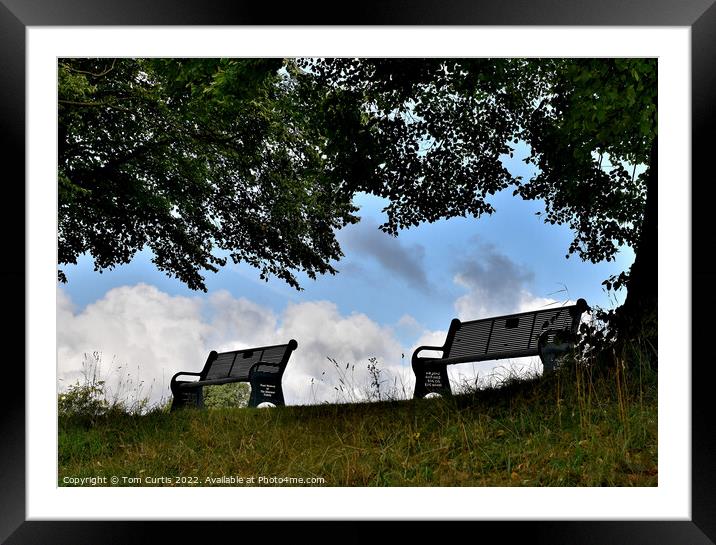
181, 373
421, 348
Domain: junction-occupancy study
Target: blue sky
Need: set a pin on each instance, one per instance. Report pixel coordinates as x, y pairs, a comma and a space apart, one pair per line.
387, 277
397, 292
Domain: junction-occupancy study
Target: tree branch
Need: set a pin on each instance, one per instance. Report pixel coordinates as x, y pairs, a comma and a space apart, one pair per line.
94, 105
101, 74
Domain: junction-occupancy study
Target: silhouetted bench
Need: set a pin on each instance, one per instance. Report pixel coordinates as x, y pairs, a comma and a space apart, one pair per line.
546, 333
261, 367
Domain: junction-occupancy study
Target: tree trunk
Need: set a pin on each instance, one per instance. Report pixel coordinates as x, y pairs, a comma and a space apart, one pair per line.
638, 314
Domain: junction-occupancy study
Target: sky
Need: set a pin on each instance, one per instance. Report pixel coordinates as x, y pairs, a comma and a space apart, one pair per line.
391, 295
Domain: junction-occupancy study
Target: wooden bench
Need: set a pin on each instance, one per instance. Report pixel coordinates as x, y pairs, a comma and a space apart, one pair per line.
547, 333
261, 367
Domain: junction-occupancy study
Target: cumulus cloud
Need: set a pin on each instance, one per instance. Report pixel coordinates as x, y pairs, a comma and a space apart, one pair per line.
142, 333
495, 286
322, 333
405, 261
152, 335
408, 326
237, 322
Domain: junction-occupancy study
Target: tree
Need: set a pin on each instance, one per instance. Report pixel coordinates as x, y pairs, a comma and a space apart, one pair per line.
595, 143
261, 158
222, 396
439, 127
192, 158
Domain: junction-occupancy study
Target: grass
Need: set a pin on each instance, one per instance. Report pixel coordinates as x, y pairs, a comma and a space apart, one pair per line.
577, 427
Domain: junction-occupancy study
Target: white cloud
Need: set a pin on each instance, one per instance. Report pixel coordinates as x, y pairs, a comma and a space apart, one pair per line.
322, 332
153, 335
430, 338
150, 334
407, 327
473, 305
495, 285
238, 322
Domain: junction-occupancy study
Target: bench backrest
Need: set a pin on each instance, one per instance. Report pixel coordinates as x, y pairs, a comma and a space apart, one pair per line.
237, 363
512, 336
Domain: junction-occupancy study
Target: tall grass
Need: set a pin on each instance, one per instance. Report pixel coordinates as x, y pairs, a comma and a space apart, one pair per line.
350, 387
591, 423
100, 391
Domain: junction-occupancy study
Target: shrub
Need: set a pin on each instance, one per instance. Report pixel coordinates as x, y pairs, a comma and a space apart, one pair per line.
90, 397
230, 395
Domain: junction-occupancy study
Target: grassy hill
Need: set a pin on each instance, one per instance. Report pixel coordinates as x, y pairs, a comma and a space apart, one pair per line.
574, 428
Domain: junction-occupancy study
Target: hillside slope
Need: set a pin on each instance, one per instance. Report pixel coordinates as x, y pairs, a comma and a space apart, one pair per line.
569, 429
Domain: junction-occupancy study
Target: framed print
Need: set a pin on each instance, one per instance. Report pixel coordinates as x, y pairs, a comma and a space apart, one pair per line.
36, 33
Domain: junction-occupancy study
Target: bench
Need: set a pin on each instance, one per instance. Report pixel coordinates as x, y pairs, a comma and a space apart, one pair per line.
547, 333
261, 367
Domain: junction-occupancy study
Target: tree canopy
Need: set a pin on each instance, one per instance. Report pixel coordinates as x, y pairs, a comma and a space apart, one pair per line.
260, 158
439, 127
192, 157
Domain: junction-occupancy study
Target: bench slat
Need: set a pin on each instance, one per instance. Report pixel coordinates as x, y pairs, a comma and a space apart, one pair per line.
508, 334
245, 359
272, 355
505, 339
471, 339
221, 366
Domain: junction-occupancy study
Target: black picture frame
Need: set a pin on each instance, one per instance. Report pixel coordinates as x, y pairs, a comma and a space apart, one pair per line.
699, 15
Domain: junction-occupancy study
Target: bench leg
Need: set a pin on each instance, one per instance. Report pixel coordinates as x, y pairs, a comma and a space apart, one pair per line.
265, 387
187, 398
430, 378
